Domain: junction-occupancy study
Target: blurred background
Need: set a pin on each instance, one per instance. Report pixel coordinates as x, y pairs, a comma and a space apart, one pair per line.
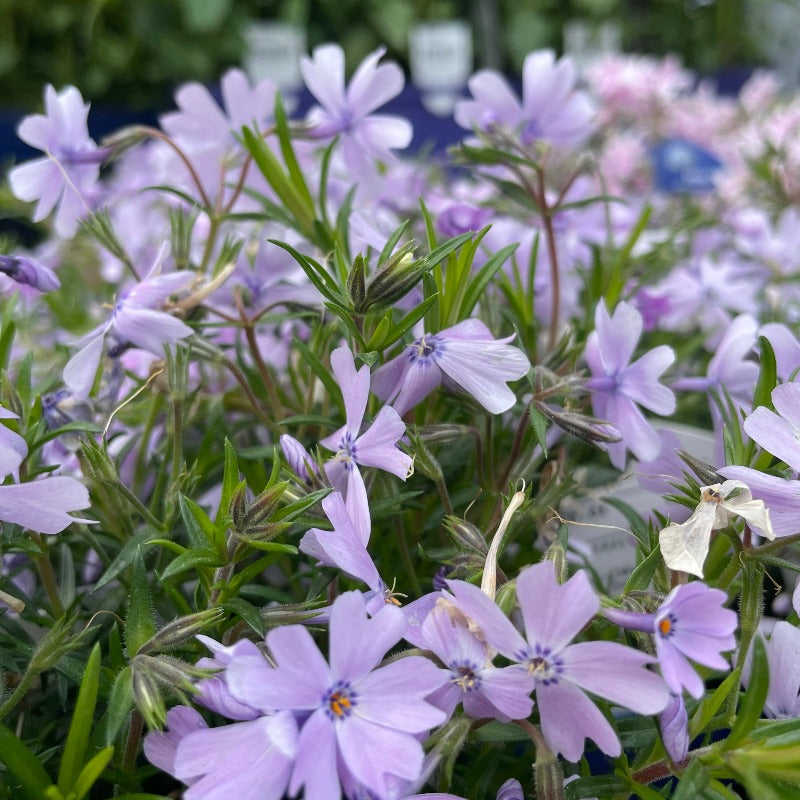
132, 53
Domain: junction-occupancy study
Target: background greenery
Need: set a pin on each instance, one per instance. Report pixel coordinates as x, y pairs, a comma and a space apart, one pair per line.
133, 52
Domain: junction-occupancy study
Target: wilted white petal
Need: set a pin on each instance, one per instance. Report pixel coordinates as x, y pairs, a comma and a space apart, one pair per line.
743, 505
685, 546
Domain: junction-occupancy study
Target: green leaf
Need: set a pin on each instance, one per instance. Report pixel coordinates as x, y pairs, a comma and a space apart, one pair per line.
293, 510
767, 375
406, 323
81, 725
91, 772
247, 612
752, 703
23, 765
319, 370
643, 573
190, 560
478, 284
692, 783
638, 525
126, 556
712, 703
139, 625
230, 480
201, 530
120, 703
289, 158
539, 426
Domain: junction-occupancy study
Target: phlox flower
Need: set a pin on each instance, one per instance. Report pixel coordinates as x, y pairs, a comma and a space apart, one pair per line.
134, 319
345, 547
551, 111
42, 505
67, 173
673, 722
783, 660
685, 546
249, 760
619, 387
357, 718
465, 356
485, 691
692, 622
28, 272
347, 113
778, 433
553, 615
376, 447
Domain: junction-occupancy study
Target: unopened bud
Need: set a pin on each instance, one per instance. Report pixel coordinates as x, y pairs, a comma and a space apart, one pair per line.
443, 434
707, 473
238, 508
181, 630
583, 427
26, 271
148, 699
511, 790
291, 614
122, 139
393, 279
466, 537
357, 282
555, 553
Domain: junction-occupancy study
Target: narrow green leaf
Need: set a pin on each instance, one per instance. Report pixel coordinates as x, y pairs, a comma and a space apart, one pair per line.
189, 560
81, 725
200, 529
247, 612
692, 783
120, 703
293, 510
539, 425
139, 625
408, 322
126, 556
638, 525
767, 375
479, 283
711, 704
752, 703
91, 772
643, 573
23, 765
318, 369
287, 151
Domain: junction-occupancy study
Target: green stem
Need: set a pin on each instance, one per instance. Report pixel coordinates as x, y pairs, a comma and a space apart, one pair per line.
132, 742
48, 576
17, 694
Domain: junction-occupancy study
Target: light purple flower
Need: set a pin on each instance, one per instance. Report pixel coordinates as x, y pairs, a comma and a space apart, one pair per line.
160, 746
66, 175
365, 137
299, 459
345, 547
674, 725
778, 433
465, 356
42, 505
692, 622
551, 111
785, 346
376, 447
209, 133
553, 615
356, 716
486, 691
783, 658
249, 760
619, 387
779, 495
135, 320
26, 271
213, 691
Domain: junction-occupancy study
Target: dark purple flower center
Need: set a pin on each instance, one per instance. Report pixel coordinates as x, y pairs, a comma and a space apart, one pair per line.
347, 451
339, 701
426, 349
542, 664
531, 132
464, 676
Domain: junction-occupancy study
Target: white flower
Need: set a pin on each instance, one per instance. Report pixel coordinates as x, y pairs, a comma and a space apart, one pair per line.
685, 547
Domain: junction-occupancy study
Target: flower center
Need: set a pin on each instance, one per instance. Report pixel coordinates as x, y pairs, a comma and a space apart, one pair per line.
666, 626
543, 666
464, 676
347, 451
339, 701
425, 349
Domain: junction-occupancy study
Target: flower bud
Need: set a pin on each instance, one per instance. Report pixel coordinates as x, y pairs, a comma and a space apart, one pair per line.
28, 272
289, 614
357, 282
466, 537
148, 699
511, 790
393, 280
181, 630
707, 474
443, 434
555, 553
